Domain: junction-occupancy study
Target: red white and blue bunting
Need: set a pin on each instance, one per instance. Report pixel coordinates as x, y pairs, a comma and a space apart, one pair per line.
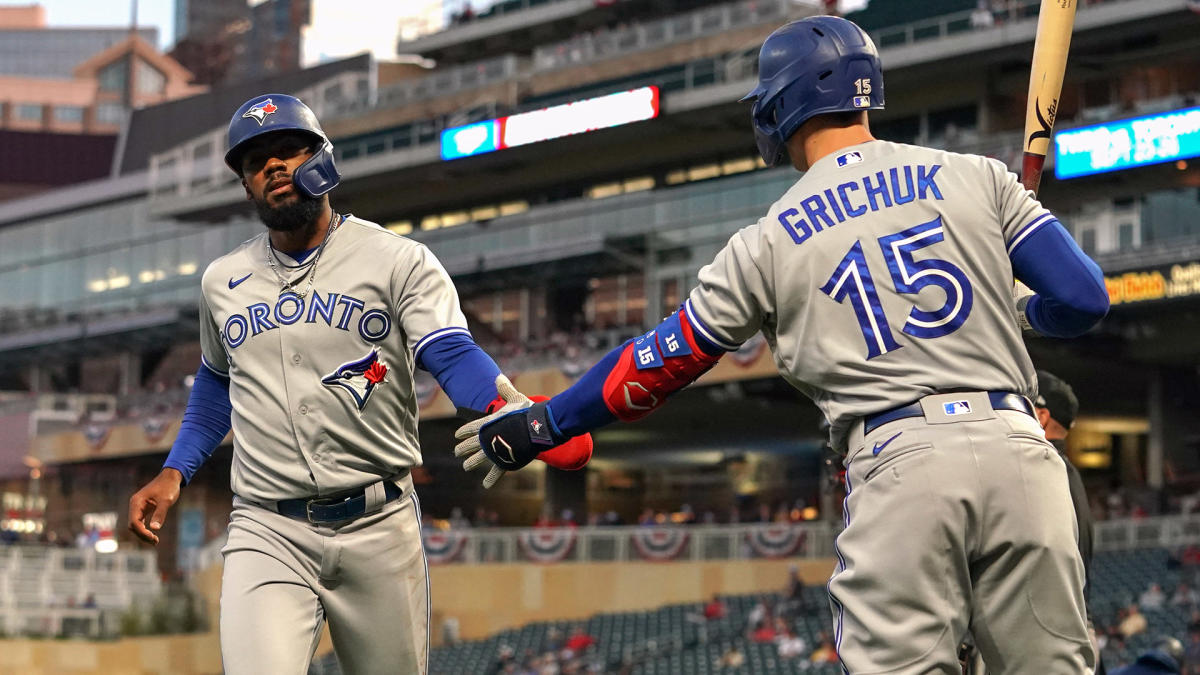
659, 543
776, 541
443, 547
547, 545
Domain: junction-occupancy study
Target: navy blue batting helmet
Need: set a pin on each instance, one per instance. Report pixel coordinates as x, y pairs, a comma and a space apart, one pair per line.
271, 113
816, 65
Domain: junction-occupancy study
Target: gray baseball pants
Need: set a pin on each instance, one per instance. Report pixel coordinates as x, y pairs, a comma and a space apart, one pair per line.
959, 520
284, 578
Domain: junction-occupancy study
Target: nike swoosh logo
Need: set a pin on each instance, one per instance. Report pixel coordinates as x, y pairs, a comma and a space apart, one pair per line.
234, 282
880, 446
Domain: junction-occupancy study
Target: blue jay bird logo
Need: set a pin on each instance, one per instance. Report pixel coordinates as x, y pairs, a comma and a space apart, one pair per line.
359, 377
259, 111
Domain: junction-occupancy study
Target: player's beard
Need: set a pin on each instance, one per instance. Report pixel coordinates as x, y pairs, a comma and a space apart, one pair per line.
293, 214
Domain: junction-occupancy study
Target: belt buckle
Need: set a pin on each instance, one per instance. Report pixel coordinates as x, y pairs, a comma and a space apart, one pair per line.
308, 514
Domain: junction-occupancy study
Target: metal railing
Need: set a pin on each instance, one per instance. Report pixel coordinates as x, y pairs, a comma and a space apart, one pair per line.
1158, 532
946, 25
598, 45
434, 85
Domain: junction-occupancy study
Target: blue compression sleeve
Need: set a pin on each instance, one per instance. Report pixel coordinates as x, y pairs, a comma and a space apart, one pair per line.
205, 423
581, 407
1071, 296
465, 372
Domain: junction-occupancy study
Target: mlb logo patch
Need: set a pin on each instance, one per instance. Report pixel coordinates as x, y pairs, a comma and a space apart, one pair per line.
862, 101
849, 158
956, 408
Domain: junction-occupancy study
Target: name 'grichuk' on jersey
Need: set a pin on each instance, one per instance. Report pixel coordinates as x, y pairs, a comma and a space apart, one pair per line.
880, 191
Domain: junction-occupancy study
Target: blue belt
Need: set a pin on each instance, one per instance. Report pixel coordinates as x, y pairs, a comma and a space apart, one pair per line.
1001, 400
335, 508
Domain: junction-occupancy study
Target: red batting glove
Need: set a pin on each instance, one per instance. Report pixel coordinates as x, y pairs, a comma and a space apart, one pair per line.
570, 456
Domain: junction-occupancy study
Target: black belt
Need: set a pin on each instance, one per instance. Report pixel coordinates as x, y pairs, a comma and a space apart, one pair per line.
335, 508
1001, 400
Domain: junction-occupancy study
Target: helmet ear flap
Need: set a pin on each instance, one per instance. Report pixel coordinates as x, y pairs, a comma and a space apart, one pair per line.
318, 174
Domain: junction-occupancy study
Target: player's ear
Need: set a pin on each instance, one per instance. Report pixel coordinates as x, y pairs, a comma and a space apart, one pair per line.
249, 196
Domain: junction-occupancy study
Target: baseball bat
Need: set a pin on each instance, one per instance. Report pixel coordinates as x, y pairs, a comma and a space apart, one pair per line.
1055, 19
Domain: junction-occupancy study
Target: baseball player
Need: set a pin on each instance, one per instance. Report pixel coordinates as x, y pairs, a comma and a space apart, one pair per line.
309, 334
882, 281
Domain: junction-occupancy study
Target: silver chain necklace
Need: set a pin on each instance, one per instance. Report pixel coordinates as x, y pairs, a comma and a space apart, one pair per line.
311, 273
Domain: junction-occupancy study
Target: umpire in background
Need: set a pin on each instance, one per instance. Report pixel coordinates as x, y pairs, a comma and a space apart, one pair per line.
1056, 408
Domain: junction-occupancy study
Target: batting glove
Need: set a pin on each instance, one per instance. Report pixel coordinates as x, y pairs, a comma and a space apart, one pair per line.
509, 438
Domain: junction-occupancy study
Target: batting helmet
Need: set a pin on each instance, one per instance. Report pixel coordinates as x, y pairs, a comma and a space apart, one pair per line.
271, 113
816, 65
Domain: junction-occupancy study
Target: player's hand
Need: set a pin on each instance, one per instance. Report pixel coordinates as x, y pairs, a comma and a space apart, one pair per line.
509, 438
148, 506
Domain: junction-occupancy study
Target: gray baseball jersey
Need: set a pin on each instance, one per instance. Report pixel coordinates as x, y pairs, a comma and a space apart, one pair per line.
880, 277
322, 381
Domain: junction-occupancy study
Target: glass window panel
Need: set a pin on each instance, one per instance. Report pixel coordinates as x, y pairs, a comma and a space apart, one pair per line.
114, 76
30, 112
68, 113
149, 80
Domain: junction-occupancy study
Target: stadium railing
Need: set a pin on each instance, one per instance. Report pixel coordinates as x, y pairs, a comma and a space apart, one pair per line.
710, 21
744, 541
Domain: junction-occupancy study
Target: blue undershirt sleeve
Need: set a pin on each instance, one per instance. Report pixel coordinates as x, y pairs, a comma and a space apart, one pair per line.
1070, 293
206, 421
465, 372
581, 407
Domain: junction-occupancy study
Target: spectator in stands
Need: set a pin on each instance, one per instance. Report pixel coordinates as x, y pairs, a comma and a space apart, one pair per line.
794, 593
1153, 598
578, 642
982, 17
790, 645
715, 609
732, 658
1166, 656
647, 517
1185, 596
782, 513
1133, 622
825, 652
759, 614
686, 515
764, 513
764, 631
457, 520
567, 519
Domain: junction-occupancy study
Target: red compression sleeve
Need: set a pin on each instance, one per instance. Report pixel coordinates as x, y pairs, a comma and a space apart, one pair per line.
653, 367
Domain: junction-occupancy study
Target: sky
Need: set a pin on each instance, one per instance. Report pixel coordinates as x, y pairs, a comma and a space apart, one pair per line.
325, 39
157, 13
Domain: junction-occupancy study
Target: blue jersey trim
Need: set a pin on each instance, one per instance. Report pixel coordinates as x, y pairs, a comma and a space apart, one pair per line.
216, 371
702, 331
1024, 232
439, 333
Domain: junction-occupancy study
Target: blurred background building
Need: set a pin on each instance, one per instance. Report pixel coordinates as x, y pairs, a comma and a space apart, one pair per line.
563, 245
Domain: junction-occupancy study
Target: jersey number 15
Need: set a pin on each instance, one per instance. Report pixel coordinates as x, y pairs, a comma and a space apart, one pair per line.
852, 280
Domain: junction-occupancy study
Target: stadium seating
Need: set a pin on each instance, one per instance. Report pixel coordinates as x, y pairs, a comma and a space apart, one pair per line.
42, 589
666, 640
